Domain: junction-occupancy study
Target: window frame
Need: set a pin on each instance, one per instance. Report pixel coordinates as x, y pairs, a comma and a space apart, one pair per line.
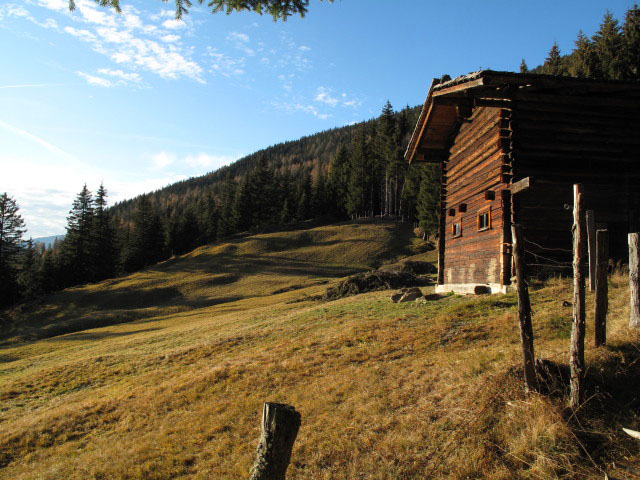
484, 211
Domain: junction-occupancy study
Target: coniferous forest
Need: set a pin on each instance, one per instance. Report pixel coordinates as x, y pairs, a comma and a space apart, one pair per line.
349, 172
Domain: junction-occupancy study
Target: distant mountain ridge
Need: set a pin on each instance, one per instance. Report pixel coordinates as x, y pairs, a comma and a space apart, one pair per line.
48, 241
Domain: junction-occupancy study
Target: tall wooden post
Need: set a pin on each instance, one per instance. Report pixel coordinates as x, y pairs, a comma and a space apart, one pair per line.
524, 311
576, 362
602, 287
634, 287
280, 425
591, 241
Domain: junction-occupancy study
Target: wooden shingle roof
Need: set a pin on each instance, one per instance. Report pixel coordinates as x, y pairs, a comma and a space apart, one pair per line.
450, 100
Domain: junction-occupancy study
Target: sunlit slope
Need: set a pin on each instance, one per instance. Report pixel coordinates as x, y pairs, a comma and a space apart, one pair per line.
255, 268
404, 391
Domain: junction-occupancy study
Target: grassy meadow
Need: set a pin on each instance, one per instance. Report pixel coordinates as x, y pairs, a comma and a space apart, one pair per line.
163, 373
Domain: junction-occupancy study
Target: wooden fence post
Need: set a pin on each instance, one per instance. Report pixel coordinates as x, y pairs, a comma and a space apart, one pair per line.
280, 425
576, 359
524, 311
602, 287
591, 242
634, 288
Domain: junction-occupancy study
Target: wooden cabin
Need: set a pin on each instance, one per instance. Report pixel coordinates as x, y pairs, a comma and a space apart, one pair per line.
510, 147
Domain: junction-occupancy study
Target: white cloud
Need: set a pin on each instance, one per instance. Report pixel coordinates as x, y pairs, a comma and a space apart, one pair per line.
196, 161
304, 48
225, 65
127, 39
238, 37
170, 38
299, 107
324, 96
173, 24
127, 77
95, 80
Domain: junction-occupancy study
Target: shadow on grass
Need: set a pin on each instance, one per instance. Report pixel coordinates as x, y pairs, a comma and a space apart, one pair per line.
102, 335
612, 401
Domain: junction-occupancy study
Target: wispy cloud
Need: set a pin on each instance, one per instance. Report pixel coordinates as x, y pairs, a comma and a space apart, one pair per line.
35, 139
324, 96
198, 161
300, 107
225, 65
128, 39
95, 80
34, 85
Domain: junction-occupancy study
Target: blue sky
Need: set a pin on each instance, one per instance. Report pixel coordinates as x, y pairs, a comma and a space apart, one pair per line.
140, 100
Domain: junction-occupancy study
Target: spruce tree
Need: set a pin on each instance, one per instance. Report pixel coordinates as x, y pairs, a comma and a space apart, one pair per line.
553, 64
103, 249
225, 220
29, 277
428, 201
583, 62
76, 247
608, 44
523, 67
631, 34
12, 228
339, 174
359, 175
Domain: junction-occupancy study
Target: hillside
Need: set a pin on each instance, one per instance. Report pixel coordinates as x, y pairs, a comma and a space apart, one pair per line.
222, 274
406, 391
309, 154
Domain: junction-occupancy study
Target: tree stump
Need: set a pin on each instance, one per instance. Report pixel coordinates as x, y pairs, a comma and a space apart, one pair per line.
280, 425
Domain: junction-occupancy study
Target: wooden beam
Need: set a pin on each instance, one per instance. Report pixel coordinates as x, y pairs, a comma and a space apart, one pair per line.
602, 288
521, 185
576, 356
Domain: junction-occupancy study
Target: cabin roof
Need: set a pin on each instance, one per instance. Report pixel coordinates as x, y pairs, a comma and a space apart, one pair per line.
450, 100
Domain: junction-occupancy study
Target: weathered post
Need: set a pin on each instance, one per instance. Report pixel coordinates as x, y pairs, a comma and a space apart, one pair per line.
591, 241
576, 360
280, 425
602, 287
524, 311
634, 288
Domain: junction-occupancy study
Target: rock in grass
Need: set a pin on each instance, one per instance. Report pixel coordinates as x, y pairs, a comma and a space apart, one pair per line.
410, 295
395, 298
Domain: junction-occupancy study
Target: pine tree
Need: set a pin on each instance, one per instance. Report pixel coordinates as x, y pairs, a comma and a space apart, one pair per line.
305, 197
102, 249
339, 175
76, 247
553, 64
147, 237
583, 61
631, 35
243, 204
359, 175
225, 220
29, 278
428, 202
11, 230
608, 44
523, 67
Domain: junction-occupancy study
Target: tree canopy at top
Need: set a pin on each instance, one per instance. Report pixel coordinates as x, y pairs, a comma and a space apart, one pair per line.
278, 9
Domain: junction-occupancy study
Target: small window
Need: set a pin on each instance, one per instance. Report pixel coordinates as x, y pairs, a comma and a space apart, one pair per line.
456, 229
484, 221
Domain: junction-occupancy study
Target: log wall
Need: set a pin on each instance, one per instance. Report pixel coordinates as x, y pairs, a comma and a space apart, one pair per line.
560, 140
478, 162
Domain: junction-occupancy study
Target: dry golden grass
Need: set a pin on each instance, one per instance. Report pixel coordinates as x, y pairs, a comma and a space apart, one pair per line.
386, 391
